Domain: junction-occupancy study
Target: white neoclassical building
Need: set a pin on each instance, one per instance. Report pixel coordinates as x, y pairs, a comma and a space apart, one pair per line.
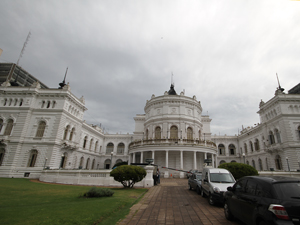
43, 127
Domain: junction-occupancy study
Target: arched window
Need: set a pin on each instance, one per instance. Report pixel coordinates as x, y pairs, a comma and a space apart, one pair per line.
221, 148
43, 104
245, 147
267, 164
277, 134
96, 146
81, 163
48, 104
278, 162
247, 162
232, 149
1, 124
107, 164
251, 146
41, 129
109, 148
66, 132
21, 102
84, 142
93, 164
9, 127
87, 163
5, 102
189, 132
53, 104
256, 145
16, 101
2, 153
271, 138
91, 144
72, 133
157, 133
260, 165
32, 158
173, 132
221, 162
120, 148
253, 164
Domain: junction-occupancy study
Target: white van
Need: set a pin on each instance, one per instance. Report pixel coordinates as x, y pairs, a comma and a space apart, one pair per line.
214, 183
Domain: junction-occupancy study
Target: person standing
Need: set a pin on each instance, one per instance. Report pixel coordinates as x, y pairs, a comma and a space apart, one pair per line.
158, 176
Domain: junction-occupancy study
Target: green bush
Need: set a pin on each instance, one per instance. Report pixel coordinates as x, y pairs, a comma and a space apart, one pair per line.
128, 175
98, 192
239, 170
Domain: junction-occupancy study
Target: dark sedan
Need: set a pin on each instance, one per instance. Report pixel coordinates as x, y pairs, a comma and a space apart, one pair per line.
260, 200
194, 182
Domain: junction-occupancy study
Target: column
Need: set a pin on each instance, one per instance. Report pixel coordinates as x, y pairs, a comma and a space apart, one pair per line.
213, 160
205, 155
181, 174
129, 159
153, 157
181, 160
167, 165
195, 161
133, 160
141, 159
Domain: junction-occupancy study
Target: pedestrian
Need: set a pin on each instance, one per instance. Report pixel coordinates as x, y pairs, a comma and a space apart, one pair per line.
158, 176
155, 175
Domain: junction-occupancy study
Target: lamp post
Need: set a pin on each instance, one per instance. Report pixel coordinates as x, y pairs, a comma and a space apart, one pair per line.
45, 162
287, 160
244, 158
111, 155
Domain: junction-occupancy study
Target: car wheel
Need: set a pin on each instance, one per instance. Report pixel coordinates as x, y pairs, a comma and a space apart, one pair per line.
198, 190
227, 212
190, 187
202, 193
210, 200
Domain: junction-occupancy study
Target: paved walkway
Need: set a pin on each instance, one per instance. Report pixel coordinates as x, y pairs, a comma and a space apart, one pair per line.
172, 202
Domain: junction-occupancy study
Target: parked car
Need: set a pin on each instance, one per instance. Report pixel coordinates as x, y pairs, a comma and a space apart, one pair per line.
214, 183
194, 182
264, 200
190, 172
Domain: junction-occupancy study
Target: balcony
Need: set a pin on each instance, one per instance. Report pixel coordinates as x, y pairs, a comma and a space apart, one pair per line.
161, 142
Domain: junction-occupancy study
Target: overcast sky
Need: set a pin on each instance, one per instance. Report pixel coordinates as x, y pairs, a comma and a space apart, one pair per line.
119, 53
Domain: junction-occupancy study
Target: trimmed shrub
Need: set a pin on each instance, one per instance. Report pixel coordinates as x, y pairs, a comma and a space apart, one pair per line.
128, 175
239, 170
98, 192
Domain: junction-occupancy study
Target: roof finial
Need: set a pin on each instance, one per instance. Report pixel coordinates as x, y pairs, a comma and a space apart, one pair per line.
172, 81
62, 84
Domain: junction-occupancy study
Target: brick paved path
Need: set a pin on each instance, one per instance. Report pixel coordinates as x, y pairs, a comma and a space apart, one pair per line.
172, 202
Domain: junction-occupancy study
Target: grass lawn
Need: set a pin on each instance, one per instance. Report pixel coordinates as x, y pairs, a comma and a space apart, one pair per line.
25, 202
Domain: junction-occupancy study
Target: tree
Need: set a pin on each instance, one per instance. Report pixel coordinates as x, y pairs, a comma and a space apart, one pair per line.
239, 170
128, 175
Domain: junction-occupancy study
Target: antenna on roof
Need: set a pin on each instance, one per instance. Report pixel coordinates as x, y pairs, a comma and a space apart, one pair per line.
279, 87
62, 84
14, 83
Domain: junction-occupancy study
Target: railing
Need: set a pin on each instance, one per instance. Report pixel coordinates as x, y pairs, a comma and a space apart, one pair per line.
171, 141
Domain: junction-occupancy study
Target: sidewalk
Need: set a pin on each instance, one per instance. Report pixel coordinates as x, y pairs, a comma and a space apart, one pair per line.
172, 202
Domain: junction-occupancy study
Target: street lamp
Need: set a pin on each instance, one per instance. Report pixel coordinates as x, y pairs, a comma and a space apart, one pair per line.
244, 158
45, 162
111, 155
287, 160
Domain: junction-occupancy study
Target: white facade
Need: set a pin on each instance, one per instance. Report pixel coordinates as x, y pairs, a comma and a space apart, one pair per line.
44, 128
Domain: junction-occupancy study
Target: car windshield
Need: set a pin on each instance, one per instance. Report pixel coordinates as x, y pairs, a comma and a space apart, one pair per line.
288, 190
221, 178
199, 177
